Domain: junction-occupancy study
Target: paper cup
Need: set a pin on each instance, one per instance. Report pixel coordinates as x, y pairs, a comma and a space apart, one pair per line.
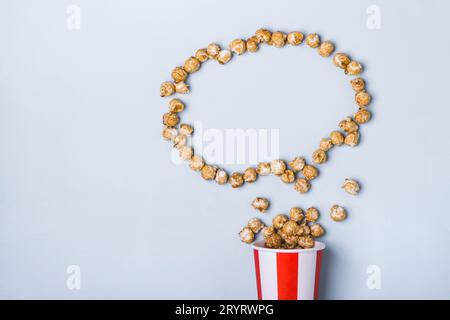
291, 274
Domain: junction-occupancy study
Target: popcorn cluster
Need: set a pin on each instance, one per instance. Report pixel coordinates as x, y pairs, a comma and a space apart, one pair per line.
297, 171
296, 231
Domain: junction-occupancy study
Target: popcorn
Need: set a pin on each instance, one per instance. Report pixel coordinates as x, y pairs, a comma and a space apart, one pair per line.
326, 48
221, 177
290, 227
319, 156
278, 39
167, 89
263, 169
295, 38
196, 163
306, 242
179, 74
312, 214
277, 167
358, 84
279, 220
170, 119
201, 55
192, 65
247, 235
186, 129
238, 46
268, 231
297, 164
250, 175
362, 116
260, 204
341, 60
255, 225
273, 241
252, 44
352, 139
186, 153
351, 186
181, 87
263, 35
209, 172
310, 172
337, 138
236, 180
317, 230
353, 68
213, 50
362, 98
179, 141
326, 144
176, 105
169, 133
302, 185
288, 176
296, 214
337, 213
313, 40
224, 56
348, 125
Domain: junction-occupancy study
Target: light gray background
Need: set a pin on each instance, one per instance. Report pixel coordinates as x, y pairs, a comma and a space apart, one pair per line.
85, 178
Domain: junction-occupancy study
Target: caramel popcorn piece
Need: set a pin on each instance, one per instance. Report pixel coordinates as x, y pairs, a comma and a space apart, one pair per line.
337, 138
170, 119
255, 225
268, 231
310, 172
236, 180
209, 172
196, 163
352, 139
341, 60
186, 129
326, 144
221, 176
263, 35
186, 153
297, 164
279, 220
277, 167
252, 44
192, 65
296, 214
201, 55
278, 39
353, 68
175, 105
179, 74
313, 40
288, 176
167, 89
250, 175
362, 98
351, 186
224, 56
213, 50
290, 228
312, 214
319, 156
348, 125
263, 168
261, 204
326, 48
169, 133
295, 38
302, 185
337, 213
181, 87
238, 46
179, 141
247, 235
306, 242
358, 84
317, 230
273, 241
362, 116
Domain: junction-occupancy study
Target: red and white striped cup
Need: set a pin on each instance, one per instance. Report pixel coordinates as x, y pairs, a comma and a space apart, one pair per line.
291, 274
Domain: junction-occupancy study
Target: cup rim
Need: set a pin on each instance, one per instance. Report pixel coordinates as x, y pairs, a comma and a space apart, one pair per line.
259, 245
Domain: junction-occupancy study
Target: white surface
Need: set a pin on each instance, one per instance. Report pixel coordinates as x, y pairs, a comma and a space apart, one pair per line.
87, 180
268, 275
306, 275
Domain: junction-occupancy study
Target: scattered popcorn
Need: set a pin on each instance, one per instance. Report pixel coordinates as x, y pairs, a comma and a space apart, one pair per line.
238, 46
236, 180
250, 175
310, 172
326, 48
261, 204
351, 186
312, 214
295, 38
255, 225
221, 176
247, 235
337, 213
302, 185
297, 164
313, 40
192, 65
279, 220
296, 214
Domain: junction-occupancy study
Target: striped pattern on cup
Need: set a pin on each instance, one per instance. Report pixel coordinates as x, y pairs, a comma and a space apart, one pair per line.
288, 274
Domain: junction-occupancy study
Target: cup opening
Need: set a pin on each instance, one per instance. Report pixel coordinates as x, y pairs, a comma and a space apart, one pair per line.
259, 245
